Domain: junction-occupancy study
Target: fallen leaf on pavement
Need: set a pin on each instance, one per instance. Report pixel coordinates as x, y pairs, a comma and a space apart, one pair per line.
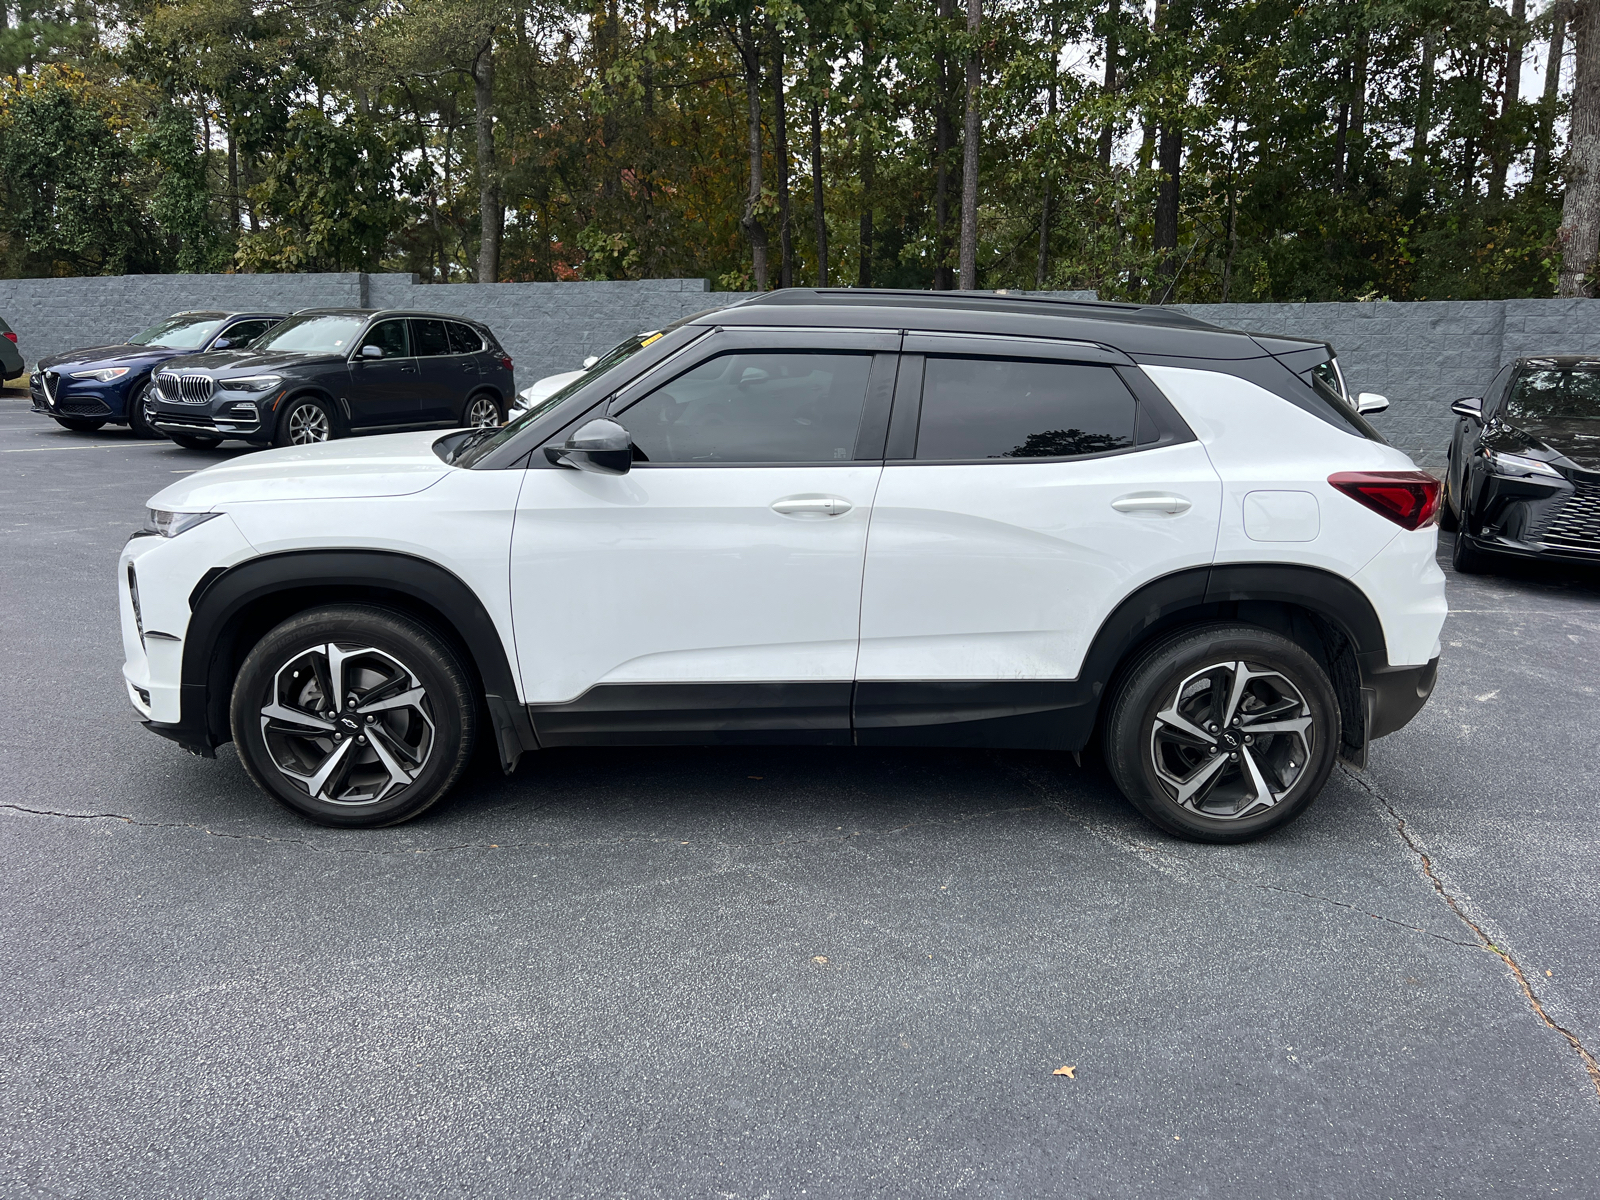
819, 959
1069, 1072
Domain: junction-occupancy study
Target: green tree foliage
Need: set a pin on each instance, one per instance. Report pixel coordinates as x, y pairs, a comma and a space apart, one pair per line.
1203, 150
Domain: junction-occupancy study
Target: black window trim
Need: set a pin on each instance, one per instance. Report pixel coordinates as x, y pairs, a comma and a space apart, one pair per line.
1149, 403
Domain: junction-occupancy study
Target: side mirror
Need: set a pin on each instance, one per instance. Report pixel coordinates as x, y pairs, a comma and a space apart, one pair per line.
1371, 402
601, 447
221, 344
372, 352
1468, 406
590, 361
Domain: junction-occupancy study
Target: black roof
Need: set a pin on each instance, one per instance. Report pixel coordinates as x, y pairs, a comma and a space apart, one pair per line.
227, 312
1135, 329
383, 312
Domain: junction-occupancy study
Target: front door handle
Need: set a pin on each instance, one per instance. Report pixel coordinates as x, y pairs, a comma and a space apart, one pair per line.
812, 506
1152, 502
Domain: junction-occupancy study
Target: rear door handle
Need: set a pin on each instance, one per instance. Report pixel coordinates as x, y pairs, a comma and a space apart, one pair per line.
812, 506
1151, 502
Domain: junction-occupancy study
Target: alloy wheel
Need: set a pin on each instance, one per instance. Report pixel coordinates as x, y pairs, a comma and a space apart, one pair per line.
1232, 740
308, 424
483, 413
348, 724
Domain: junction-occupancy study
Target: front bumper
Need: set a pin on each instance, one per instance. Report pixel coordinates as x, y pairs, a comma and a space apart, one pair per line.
74, 400
206, 424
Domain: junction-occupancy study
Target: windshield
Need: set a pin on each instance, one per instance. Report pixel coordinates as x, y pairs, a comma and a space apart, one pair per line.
188, 332
314, 333
1552, 395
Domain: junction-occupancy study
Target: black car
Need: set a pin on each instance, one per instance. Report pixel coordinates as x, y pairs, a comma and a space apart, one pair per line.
10, 355
334, 372
1524, 477
85, 389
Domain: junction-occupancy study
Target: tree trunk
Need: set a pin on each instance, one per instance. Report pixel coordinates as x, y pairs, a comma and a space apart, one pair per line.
233, 181
491, 216
1042, 269
1358, 104
1341, 136
1501, 163
750, 54
969, 154
944, 136
1423, 117
818, 213
1233, 212
1580, 210
864, 270
1545, 147
1169, 158
780, 161
1108, 133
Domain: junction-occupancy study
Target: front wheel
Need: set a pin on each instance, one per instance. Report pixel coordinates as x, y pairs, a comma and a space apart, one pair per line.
1223, 732
305, 422
1466, 558
483, 412
354, 716
139, 412
78, 424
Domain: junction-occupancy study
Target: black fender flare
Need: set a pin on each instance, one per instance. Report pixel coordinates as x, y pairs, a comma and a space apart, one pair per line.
224, 597
337, 410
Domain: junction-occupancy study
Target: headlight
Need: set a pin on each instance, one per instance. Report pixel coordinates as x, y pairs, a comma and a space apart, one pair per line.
104, 374
171, 524
250, 383
1518, 467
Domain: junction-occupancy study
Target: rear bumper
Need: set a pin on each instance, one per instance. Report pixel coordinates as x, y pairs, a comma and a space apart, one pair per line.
1391, 696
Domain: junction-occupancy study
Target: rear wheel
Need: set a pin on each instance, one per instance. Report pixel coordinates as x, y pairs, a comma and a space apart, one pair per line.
483, 411
1222, 732
305, 422
190, 442
79, 424
354, 715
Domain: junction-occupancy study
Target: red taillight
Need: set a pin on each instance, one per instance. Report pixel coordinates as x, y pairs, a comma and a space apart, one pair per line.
11, 335
505, 361
1408, 498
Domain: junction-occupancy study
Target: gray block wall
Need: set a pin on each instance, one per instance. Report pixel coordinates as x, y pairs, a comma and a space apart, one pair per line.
1420, 355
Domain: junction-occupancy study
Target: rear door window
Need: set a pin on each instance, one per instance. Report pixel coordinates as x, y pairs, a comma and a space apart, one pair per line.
979, 409
428, 338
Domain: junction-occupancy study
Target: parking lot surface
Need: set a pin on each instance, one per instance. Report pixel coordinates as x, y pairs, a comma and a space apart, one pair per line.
783, 972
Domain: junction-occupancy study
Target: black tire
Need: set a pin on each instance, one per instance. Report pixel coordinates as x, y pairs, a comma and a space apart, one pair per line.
1449, 514
472, 409
191, 442
1190, 672
79, 424
138, 424
301, 419
1467, 559
390, 655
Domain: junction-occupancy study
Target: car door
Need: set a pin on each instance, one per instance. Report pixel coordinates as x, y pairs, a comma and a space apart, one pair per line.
384, 390
441, 380
712, 593
1029, 488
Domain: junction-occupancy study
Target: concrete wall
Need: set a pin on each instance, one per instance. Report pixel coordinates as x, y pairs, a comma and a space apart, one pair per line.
1421, 356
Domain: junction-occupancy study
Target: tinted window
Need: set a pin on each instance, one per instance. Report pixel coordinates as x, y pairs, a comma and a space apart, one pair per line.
1551, 395
755, 407
388, 336
463, 338
318, 334
429, 337
246, 331
994, 408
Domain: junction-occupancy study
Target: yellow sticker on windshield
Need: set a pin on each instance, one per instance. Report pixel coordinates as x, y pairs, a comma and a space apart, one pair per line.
654, 337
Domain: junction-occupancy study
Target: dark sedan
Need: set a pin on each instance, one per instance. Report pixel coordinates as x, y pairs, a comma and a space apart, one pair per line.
85, 389
334, 372
1524, 478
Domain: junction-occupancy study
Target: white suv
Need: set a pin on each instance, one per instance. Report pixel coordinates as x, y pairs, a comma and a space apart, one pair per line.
822, 518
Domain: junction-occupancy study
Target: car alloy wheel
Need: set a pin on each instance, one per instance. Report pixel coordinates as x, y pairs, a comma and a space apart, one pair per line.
307, 423
483, 412
1232, 740
349, 724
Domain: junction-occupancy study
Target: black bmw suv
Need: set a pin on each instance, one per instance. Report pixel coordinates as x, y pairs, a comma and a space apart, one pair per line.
1524, 479
336, 372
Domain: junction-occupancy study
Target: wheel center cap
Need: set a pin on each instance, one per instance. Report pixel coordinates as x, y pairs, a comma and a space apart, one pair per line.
1230, 740
350, 723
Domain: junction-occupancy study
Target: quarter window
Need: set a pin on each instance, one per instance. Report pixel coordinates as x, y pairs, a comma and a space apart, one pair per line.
755, 407
463, 338
245, 332
429, 338
974, 408
388, 336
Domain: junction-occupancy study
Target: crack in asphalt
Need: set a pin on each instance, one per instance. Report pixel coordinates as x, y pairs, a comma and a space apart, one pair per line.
1484, 941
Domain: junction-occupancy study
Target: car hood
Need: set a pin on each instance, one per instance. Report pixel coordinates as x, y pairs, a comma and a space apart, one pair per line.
233, 361
1551, 439
110, 356
396, 464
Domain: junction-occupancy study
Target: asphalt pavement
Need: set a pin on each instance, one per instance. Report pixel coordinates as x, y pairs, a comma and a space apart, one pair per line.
782, 972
